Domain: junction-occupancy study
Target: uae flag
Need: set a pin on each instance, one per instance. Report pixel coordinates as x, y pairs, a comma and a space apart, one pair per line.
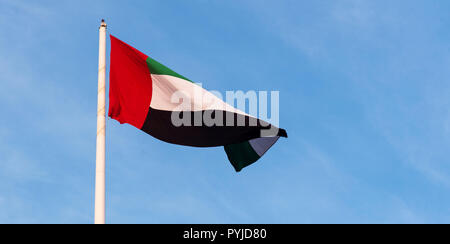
170, 107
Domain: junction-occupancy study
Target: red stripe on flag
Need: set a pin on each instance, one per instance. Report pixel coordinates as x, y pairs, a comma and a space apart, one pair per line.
130, 90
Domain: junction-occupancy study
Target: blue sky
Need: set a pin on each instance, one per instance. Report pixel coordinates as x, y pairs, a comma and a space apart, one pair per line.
363, 87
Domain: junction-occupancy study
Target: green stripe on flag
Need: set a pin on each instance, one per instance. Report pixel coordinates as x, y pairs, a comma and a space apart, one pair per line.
241, 155
157, 68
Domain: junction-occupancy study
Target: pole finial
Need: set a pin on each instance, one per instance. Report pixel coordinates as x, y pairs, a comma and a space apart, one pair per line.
103, 24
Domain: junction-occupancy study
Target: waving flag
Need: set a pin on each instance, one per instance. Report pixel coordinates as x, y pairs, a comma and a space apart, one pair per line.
167, 105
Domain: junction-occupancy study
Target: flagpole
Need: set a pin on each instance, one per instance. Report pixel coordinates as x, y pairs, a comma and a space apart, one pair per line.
101, 117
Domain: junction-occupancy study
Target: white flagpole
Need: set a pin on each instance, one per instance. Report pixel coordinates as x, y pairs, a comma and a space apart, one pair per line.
101, 117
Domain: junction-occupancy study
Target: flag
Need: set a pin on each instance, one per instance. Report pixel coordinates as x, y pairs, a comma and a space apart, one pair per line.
170, 107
